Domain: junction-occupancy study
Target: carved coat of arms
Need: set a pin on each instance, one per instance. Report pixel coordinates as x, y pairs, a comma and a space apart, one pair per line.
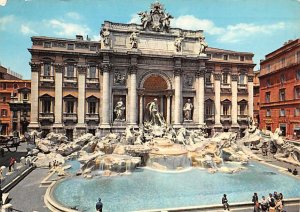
157, 19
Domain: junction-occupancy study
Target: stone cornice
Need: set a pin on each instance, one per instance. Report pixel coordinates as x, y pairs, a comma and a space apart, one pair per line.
35, 66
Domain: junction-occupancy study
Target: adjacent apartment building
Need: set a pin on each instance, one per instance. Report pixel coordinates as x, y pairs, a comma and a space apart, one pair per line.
280, 89
14, 102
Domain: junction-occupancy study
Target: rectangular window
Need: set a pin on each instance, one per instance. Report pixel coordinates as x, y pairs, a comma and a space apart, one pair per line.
242, 109
242, 79
70, 107
242, 58
225, 109
282, 112
282, 78
208, 109
298, 75
4, 86
268, 97
268, 68
25, 96
70, 46
93, 48
15, 114
92, 107
268, 114
47, 69
282, 95
92, 72
225, 78
46, 106
268, 82
208, 78
225, 57
297, 111
297, 92
3, 99
70, 71
282, 61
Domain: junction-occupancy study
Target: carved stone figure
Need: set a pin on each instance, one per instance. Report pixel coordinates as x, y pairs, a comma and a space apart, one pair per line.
178, 43
155, 118
188, 81
187, 109
166, 21
105, 36
120, 110
119, 78
133, 39
203, 45
145, 19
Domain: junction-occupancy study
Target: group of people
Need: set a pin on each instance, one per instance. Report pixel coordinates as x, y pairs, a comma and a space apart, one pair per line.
273, 203
294, 172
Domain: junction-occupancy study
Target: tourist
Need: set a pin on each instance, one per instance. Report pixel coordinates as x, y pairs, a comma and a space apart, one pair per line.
254, 198
99, 205
1, 194
278, 206
2, 152
281, 198
256, 207
264, 204
290, 170
11, 163
225, 203
272, 205
270, 198
295, 172
275, 195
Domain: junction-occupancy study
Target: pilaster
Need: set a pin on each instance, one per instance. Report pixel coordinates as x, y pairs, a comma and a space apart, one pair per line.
234, 106
58, 96
81, 96
217, 86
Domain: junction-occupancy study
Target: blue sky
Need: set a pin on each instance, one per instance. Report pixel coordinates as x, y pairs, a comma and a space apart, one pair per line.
258, 26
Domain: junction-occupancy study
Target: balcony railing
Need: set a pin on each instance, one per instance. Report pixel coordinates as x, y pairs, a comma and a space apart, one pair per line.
92, 80
92, 117
46, 116
209, 85
47, 78
225, 118
242, 117
70, 79
210, 118
70, 116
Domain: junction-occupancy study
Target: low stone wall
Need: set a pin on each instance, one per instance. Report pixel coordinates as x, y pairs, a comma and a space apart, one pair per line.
18, 172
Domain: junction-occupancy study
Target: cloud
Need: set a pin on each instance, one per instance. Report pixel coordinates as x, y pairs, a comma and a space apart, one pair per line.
73, 15
3, 2
192, 23
62, 28
26, 30
6, 20
135, 19
242, 31
96, 37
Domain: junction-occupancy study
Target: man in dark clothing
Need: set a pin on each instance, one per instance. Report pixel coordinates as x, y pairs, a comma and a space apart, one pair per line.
275, 195
99, 205
295, 172
225, 203
255, 198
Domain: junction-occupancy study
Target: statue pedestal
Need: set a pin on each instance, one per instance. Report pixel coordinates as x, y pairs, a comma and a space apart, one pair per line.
202, 55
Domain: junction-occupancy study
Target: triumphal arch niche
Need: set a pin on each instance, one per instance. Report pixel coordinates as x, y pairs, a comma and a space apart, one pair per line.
152, 73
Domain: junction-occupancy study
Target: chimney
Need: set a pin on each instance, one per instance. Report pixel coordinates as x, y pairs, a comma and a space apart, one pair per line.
79, 37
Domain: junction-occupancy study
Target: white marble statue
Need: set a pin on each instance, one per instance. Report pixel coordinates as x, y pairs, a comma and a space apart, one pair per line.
203, 45
178, 43
120, 110
133, 39
187, 109
105, 36
155, 118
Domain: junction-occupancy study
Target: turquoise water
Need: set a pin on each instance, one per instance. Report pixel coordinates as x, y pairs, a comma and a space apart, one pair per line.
146, 189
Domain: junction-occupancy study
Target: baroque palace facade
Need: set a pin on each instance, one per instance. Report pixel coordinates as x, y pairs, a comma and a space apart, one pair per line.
77, 84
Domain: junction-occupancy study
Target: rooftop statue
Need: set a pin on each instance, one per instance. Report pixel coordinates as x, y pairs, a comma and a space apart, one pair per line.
134, 40
157, 19
203, 45
105, 37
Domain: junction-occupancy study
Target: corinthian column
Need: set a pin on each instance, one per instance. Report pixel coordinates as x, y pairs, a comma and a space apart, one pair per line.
217, 85
234, 108
34, 114
250, 96
58, 96
178, 97
106, 115
81, 96
200, 95
133, 96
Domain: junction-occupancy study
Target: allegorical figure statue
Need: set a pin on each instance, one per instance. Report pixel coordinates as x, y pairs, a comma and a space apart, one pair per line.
133, 39
166, 21
145, 18
187, 110
178, 43
155, 118
105, 36
120, 110
203, 45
